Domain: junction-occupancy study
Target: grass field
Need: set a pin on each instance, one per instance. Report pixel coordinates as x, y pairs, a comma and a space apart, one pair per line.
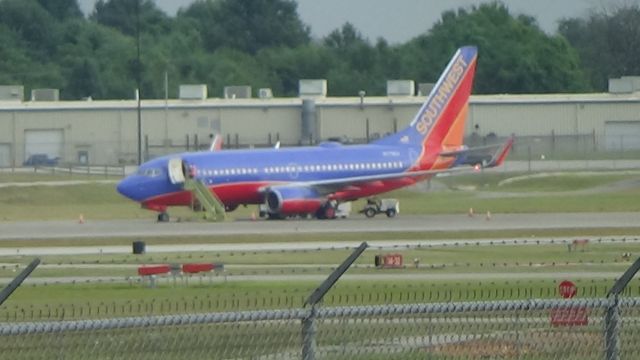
462, 255
552, 194
556, 193
99, 298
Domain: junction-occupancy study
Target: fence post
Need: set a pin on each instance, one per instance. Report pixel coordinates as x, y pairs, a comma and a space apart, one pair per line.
309, 335
146, 147
17, 281
366, 131
308, 323
611, 329
612, 317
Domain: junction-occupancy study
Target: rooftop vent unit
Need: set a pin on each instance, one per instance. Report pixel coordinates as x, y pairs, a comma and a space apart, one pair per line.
400, 88
193, 92
424, 89
237, 92
624, 85
12, 92
312, 88
265, 93
45, 95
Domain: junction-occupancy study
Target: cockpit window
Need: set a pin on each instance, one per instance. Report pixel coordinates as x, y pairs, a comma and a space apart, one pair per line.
149, 172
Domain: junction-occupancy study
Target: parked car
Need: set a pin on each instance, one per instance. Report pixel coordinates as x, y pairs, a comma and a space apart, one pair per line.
41, 160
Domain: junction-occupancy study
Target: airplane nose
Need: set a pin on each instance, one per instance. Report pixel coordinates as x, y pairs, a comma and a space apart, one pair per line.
126, 189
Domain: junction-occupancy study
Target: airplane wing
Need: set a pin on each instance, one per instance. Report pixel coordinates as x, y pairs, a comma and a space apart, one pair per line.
325, 187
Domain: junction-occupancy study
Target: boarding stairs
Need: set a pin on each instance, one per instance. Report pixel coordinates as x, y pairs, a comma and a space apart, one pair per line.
212, 206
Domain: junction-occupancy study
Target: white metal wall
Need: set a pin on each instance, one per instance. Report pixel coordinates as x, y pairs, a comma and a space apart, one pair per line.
622, 135
347, 118
107, 130
5, 155
49, 142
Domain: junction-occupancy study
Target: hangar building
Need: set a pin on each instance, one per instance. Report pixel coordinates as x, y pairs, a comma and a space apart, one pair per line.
105, 132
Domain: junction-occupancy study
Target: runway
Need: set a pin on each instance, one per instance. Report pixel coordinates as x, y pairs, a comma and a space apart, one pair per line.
394, 244
357, 223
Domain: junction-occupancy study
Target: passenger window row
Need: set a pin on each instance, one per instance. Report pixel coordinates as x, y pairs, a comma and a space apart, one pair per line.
302, 168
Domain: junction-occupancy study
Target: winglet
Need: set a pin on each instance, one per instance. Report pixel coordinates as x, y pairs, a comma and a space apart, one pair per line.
500, 155
216, 143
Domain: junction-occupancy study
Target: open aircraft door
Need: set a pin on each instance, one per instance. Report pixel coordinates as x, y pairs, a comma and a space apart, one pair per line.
176, 171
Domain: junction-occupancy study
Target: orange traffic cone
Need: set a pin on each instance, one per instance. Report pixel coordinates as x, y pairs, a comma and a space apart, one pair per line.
488, 215
471, 212
81, 219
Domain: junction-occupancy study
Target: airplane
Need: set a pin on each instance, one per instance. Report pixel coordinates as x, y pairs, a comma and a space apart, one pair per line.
314, 180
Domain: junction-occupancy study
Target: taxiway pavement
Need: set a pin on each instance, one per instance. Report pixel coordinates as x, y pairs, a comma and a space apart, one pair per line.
149, 228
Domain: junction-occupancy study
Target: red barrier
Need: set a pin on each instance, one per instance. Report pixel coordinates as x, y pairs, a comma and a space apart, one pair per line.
196, 268
153, 270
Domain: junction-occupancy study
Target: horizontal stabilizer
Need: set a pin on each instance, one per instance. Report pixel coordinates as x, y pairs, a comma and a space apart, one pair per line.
484, 156
501, 154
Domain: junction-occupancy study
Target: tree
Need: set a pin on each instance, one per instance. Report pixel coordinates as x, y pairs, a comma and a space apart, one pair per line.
248, 25
15, 61
355, 61
515, 55
344, 38
232, 67
31, 23
83, 80
93, 60
286, 66
263, 43
608, 43
123, 15
62, 9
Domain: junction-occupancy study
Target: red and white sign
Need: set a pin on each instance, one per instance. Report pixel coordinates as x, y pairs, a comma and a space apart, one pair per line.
392, 261
571, 316
567, 289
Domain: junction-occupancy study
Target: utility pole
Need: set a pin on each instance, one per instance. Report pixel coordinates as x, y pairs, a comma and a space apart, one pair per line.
139, 81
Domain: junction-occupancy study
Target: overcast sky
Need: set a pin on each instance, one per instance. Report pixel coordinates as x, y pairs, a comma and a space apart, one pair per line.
400, 20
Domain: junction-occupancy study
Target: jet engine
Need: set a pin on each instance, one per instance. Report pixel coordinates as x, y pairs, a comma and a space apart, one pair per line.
292, 200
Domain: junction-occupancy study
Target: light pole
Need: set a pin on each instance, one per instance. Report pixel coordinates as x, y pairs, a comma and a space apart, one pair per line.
139, 81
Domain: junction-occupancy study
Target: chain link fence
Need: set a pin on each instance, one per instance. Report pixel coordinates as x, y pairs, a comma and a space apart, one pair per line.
82, 157
522, 329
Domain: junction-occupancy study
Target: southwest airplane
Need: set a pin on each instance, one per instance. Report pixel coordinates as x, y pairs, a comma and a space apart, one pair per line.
314, 180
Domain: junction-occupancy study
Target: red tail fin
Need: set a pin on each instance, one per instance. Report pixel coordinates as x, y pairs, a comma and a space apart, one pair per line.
440, 121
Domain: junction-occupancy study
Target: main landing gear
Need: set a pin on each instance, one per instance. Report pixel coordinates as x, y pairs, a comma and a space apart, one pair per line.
327, 211
163, 217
